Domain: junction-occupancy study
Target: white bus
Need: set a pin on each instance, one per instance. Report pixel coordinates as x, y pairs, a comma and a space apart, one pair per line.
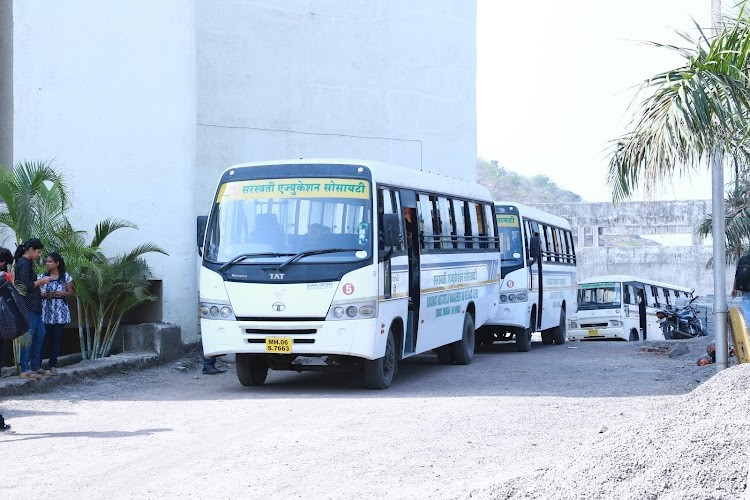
538, 286
344, 264
623, 307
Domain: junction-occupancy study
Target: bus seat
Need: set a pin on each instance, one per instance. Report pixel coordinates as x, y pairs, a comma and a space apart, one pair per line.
267, 230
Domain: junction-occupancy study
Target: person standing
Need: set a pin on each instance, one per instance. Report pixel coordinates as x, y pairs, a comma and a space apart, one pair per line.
31, 356
6, 259
742, 284
209, 366
55, 310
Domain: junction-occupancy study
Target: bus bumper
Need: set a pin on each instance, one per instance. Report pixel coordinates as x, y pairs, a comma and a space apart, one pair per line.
598, 334
307, 338
511, 315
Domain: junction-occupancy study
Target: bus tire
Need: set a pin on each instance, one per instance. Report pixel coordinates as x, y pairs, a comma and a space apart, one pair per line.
523, 340
547, 337
560, 333
379, 372
740, 336
445, 354
252, 369
633, 335
463, 350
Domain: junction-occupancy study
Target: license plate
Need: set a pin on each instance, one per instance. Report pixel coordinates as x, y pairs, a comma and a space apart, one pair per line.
593, 333
278, 344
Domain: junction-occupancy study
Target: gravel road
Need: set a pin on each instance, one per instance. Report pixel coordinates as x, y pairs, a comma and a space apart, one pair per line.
509, 425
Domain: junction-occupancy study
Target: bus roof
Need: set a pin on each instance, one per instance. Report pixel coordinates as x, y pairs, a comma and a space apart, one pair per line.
627, 278
537, 214
393, 175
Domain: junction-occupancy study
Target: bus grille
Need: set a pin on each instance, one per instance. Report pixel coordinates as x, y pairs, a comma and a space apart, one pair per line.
258, 331
594, 325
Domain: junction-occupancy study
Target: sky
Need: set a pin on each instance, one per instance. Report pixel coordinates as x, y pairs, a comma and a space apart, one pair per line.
555, 81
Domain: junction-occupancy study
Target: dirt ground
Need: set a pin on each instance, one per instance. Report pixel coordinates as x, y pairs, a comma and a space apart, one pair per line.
582, 420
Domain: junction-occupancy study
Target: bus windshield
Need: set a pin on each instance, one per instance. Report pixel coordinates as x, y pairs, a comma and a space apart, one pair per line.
270, 220
599, 296
510, 240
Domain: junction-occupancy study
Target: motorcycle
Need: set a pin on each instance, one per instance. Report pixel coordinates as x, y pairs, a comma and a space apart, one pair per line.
682, 322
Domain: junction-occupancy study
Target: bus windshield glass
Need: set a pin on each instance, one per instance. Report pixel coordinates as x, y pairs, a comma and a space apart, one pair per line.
511, 248
599, 296
316, 219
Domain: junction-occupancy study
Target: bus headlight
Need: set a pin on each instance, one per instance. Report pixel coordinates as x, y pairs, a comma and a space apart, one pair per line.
362, 310
512, 297
216, 311
615, 322
573, 325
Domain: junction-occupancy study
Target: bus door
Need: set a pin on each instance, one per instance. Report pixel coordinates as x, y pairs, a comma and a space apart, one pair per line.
534, 253
639, 293
411, 230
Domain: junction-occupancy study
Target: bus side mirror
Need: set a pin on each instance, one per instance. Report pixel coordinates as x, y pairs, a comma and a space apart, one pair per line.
391, 230
201, 223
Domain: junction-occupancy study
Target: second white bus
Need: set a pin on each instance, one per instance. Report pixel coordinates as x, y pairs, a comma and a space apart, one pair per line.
538, 286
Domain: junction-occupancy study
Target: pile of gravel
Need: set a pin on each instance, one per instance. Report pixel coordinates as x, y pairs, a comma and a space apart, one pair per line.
696, 448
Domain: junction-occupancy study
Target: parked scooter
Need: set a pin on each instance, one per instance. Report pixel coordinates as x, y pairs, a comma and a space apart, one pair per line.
682, 322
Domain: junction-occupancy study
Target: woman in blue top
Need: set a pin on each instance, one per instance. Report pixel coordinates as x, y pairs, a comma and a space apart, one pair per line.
55, 310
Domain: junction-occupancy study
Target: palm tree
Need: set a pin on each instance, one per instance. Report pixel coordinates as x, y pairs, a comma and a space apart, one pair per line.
737, 220
34, 200
693, 115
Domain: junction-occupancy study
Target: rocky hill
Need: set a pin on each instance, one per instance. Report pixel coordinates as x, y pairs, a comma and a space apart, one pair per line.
507, 185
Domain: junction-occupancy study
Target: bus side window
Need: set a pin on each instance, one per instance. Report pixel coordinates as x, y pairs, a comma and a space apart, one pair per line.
654, 296
459, 216
667, 302
489, 212
627, 294
387, 205
447, 229
425, 217
472, 228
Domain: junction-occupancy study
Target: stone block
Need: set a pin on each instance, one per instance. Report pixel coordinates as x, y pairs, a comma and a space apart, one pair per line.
162, 338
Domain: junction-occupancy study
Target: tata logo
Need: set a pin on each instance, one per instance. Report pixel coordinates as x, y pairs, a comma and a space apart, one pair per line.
278, 306
277, 276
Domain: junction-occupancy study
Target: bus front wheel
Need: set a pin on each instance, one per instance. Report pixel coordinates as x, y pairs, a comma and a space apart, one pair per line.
463, 350
252, 369
379, 372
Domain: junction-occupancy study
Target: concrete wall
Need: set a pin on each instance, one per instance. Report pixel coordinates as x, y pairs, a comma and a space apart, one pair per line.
384, 80
624, 239
125, 95
107, 90
6, 82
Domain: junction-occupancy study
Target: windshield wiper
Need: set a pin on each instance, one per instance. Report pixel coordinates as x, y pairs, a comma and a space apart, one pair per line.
243, 256
316, 252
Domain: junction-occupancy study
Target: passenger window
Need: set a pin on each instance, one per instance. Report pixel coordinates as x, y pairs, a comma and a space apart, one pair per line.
473, 229
459, 216
425, 217
489, 216
447, 232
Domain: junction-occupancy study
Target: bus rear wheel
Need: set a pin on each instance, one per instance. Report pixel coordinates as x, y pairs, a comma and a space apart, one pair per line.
560, 334
379, 372
252, 369
523, 340
463, 350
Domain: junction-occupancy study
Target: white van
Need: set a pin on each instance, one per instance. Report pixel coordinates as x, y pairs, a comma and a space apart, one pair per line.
622, 307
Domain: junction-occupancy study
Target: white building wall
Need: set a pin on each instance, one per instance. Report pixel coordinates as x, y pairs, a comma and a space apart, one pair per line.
107, 91
386, 80
112, 92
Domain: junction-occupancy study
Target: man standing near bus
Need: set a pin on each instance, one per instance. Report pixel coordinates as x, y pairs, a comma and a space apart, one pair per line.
742, 284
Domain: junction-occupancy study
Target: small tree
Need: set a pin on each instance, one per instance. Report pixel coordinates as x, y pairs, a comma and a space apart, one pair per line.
106, 290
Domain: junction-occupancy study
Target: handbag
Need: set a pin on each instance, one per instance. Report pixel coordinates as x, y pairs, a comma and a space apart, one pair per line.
14, 317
